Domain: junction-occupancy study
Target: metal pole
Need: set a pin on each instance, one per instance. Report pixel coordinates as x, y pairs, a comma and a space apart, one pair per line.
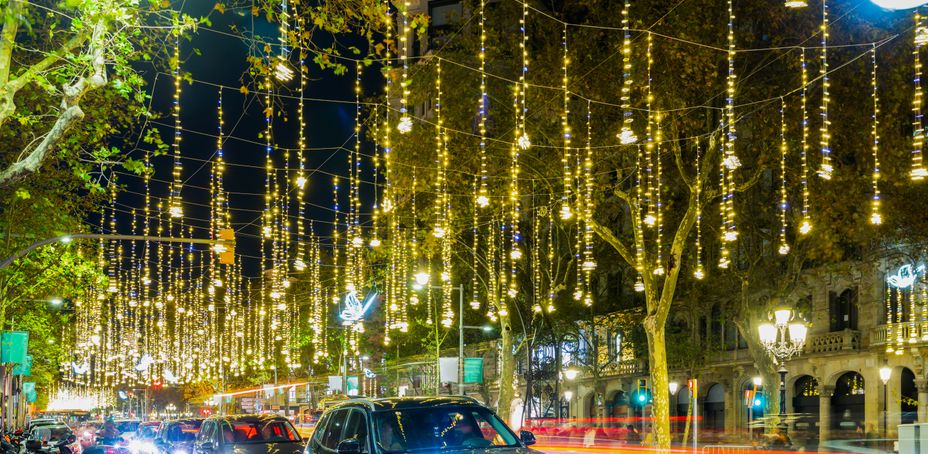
885, 410
461, 339
695, 413
344, 361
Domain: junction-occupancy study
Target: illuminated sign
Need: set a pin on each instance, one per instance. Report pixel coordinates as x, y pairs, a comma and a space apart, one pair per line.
354, 309
905, 276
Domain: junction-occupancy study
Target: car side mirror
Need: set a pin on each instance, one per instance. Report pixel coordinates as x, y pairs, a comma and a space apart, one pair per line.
349, 446
527, 437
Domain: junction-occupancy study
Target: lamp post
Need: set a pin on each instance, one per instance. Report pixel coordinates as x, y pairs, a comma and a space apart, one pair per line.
674, 386
571, 375
885, 374
568, 395
783, 339
757, 382
422, 281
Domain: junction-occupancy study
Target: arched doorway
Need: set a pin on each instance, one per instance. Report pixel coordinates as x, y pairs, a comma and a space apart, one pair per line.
908, 401
714, 408
806, 404
847, 403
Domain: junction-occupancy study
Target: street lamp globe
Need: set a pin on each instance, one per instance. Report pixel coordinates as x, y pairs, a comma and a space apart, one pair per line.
782, 316
422, 278
571, 373
568, 395
885, 373
757, 380
797, 333
898, 4
768, 333
674, 386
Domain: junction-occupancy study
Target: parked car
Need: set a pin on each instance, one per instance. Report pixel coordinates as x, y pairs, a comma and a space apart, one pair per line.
177, 437
414, 424
52, 439
248, 434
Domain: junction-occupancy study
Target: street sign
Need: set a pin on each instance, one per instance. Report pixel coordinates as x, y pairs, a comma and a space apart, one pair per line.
24, 369
13, 346
448, 369
473, 370
29, 391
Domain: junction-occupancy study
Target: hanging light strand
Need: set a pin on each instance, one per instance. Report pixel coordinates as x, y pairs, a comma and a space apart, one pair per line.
175, 205
827, 168
627, 134
565, 124
483, 196
699, 273
783, 205
805, 225
405, 124
918, 171
875, 217
522, 138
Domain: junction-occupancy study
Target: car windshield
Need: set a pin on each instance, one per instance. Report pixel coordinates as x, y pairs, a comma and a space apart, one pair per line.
257, 431
127, 426
427, 429
148, 431
53, 433
183, 431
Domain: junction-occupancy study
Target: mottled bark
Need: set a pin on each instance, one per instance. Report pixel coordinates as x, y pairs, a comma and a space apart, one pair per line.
507, 368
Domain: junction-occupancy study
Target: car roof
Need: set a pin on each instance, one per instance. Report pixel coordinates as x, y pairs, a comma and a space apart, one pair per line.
400, 403
249, 418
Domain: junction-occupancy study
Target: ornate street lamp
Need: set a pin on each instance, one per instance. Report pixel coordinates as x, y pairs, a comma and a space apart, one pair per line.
885, 374
783, 339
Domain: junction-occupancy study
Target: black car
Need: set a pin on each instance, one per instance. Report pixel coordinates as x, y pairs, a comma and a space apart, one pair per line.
177, 437
52, 439
247, 434
414, 424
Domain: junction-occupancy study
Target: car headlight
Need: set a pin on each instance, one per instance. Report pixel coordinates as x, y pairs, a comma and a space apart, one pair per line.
179, 451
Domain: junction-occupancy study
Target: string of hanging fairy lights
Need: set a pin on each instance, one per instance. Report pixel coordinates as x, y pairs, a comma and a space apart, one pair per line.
875, 217
195, 299
918, 171
826, 168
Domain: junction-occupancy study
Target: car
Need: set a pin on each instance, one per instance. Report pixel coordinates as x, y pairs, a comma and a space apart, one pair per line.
177, 437
41, 422
248, 434
127, 427
144, 440
414, 424
49, 439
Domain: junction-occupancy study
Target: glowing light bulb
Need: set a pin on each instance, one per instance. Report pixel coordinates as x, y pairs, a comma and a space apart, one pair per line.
699, 274
219, 248
176, 211
650, 220
825, 171
217, 283
730, 235
731, 162
146, 280
266, 231
627, 136
784, 249
796, 4
405, 125
805, 227
357, 241
301, 182
483, 201
524, 142
659, 271
475, 304
275, 294
516, 254
589, 265
438, 232
282, 71
375, 242
299, 265
918, 173
639, 285
876, 219
282, 306
566, 214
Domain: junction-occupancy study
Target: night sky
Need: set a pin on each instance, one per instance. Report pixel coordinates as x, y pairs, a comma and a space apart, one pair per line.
222, 61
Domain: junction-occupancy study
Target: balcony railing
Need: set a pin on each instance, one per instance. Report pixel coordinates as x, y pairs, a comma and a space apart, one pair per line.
838, 341
625, 367
912, 333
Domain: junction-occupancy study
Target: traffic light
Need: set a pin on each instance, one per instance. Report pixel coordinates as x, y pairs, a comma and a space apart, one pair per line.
226, 248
